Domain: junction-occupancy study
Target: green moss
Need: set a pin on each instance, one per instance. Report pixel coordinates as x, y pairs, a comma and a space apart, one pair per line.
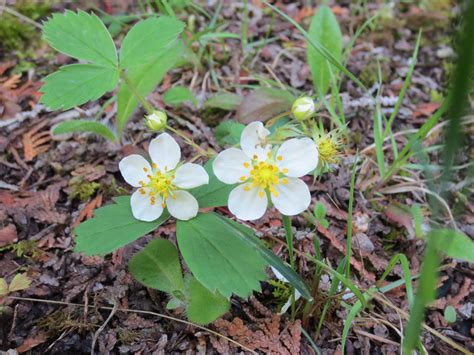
281, 291
16, 34
26, 248
83, 189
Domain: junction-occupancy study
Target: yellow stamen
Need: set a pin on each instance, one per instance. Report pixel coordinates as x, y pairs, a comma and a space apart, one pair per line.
243, 178
285, 170
145, 170
261, 194
279, 158
246, 165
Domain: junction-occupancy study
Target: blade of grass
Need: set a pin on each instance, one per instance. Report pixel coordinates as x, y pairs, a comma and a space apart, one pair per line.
405, 85
332, 291
349, 218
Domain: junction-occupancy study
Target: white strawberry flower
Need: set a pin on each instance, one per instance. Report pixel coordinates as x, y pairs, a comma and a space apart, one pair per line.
163, 183
263, 171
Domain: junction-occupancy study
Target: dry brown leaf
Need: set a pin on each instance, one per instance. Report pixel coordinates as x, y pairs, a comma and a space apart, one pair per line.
268, 335
88, 211
39, 205
8, 235
30, 343
35, 142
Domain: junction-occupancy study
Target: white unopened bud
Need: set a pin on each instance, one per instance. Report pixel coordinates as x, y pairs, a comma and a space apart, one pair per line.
303, 108
157, 120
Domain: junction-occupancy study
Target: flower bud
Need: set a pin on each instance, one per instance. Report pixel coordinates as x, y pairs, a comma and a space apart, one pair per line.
156, 121
303, 108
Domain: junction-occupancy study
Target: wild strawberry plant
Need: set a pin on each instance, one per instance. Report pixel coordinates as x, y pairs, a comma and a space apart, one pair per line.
224, 257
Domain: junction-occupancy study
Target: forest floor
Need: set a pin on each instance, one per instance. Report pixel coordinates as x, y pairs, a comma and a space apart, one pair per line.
49, 184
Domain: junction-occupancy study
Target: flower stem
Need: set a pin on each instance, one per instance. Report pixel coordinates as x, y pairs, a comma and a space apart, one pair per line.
146, 105
289, 242
188, 141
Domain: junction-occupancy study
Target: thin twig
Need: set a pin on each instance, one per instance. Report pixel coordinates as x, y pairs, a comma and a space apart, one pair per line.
102, 327
136, 311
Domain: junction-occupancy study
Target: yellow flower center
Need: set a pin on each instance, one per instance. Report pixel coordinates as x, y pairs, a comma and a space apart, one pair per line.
327, 149
158, 183
264, 175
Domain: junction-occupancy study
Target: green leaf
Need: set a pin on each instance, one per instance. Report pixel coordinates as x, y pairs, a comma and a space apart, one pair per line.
112, 227
450, 314
452, 243
76, 84
3, 287
148, 39
263, 104
178, 95
225, 101
228, 133
248, 236
319, 210
157, 266
324, 223
204, 306
19, 282
174, 303
324, 30
82, 36
84, 126
217, 258
145, 78
215, 193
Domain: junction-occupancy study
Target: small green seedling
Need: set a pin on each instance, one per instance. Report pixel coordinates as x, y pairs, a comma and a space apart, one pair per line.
320, 214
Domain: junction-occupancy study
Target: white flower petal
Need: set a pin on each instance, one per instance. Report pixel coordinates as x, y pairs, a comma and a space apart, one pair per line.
252, 138
133, 168
190, 175
247, 205
230, 165
288, 303
165, 152
278, 275
142, 209
298, 156
183, 206
293, 197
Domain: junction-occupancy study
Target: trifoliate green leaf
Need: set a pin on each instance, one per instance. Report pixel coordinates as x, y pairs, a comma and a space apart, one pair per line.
217, 258
76, 84
112, 227
157, 266
82, 36
204, 306
148, 40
